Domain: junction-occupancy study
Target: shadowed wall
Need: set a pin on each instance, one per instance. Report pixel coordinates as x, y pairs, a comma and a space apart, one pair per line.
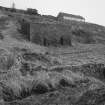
50, 34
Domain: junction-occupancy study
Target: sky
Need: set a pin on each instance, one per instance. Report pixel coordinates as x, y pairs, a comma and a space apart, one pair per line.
92, 10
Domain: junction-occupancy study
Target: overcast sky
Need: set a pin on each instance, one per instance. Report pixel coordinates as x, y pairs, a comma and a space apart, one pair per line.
92, 10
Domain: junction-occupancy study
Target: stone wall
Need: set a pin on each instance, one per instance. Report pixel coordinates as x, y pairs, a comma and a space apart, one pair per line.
49, 34
24, 29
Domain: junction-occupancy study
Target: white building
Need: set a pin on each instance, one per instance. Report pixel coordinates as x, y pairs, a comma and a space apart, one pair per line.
65, 16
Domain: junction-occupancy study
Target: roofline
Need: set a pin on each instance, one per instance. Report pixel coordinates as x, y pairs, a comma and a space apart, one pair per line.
67, 14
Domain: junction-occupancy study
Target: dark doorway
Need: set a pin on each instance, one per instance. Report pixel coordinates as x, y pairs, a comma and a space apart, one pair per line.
45, 42
104, 72
62, 41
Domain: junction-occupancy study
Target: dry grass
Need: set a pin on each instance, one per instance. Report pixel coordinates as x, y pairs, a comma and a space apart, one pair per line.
16, 87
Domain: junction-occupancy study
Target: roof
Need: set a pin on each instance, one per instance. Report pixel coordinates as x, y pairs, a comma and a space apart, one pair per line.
61, 14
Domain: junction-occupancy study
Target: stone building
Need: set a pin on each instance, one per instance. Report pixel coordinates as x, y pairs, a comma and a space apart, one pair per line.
46, 33
65, 16
49, 34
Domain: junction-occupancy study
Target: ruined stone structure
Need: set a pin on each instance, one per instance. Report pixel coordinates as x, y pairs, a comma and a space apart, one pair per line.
50, 34
70, 17
46, 33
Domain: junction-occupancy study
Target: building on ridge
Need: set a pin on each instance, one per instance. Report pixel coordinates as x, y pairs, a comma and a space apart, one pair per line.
65, 16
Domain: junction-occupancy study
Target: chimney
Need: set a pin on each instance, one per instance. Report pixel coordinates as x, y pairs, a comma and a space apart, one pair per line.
13, 5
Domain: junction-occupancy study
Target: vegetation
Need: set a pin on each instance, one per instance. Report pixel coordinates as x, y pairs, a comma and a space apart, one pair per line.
64, 65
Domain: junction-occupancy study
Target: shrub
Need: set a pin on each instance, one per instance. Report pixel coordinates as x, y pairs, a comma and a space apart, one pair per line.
8, 94
25, 92
40, 89
6, 61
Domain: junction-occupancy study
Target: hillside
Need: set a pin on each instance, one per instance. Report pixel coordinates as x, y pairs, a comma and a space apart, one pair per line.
54, 31
49, 30
44, 61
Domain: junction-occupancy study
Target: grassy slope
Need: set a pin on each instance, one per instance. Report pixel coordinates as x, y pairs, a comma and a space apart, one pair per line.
33, 74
